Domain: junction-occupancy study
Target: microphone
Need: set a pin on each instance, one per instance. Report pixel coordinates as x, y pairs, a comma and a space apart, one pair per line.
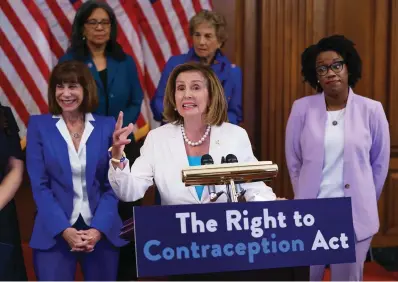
208, 160
230, 158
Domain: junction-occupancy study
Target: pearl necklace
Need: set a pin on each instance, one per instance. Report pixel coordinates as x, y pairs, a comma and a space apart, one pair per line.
191, 143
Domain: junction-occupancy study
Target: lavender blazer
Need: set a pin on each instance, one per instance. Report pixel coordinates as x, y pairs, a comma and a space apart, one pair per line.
366, 154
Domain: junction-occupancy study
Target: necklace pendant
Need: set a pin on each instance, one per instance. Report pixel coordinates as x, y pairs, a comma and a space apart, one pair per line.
335, 122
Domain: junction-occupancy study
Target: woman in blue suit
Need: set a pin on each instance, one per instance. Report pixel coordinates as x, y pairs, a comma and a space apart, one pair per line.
208, 30
93, 42
77, 218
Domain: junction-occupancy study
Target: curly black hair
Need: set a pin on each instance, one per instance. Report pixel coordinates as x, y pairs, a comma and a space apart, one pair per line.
342, 46
78, 45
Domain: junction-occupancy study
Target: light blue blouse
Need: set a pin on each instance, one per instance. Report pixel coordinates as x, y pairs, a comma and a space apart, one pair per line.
195, 161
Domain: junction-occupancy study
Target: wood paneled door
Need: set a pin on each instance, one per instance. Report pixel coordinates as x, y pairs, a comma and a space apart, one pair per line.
268, 38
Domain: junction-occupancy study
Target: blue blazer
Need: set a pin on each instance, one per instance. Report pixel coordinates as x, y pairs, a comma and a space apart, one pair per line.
48, 166
124, 90
229, 75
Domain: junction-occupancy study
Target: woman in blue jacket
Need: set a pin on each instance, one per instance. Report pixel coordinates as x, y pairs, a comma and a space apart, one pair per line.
208, 31
66, 158
93, 42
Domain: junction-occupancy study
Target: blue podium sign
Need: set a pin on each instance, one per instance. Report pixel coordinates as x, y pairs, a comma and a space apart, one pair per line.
188, 239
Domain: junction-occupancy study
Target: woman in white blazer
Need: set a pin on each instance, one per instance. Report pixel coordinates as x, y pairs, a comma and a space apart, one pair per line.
196, 110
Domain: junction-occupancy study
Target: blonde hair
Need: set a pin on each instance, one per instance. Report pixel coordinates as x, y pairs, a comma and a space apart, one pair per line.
217, 111
215, 20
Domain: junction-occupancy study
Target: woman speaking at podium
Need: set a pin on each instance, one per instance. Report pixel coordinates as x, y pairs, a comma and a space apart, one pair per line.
196, 109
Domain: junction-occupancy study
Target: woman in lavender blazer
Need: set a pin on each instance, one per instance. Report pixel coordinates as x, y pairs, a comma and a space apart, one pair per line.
338, 144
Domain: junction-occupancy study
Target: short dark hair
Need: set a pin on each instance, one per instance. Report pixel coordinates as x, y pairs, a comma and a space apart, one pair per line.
73, 72
78, 45
217, 111
342, 46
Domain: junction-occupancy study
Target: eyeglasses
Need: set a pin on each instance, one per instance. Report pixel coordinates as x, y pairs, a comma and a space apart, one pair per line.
94, 23
336, 67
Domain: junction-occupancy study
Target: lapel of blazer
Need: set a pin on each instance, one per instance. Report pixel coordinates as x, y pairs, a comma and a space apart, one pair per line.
180, 158
177, 148
60, 150
216, 144
92, 139
94, 72
93, 147
112, 67
319, 118
314, 140
349, 126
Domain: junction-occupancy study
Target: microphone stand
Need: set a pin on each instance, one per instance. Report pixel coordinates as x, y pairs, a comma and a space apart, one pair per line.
229, 200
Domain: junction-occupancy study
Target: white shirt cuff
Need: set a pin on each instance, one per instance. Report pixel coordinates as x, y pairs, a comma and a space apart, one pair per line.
125, 169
